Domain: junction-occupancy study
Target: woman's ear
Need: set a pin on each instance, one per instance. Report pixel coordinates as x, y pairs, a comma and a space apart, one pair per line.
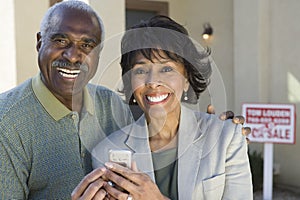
38, 41
186, 85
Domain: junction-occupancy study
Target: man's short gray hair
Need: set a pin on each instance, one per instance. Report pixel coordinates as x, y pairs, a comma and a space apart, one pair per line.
49, 21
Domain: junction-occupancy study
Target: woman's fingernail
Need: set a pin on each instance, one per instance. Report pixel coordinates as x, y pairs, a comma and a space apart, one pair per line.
109, 165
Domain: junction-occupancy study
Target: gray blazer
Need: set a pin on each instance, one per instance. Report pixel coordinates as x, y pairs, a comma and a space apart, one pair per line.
212, 156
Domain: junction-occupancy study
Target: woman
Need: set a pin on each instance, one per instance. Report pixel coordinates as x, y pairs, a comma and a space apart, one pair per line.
183, 154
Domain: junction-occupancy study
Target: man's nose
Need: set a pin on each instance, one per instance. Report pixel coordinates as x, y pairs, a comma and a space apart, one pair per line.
73, 54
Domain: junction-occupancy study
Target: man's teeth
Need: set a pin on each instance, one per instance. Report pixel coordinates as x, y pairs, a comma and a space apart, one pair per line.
157, 98
67, 73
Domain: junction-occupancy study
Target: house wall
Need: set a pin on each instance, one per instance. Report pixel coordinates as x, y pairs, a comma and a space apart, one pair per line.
265, 68
254, 48
8, 77
28, 15
284, 79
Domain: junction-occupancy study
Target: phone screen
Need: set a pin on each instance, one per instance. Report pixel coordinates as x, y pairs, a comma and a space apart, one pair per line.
122, 157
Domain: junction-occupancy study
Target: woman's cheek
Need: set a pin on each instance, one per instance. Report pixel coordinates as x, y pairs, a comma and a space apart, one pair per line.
136, 84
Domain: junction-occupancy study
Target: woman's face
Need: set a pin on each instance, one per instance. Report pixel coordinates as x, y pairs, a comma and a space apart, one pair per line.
158, 84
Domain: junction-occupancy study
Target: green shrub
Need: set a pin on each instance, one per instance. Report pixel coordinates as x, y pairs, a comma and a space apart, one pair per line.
256, 165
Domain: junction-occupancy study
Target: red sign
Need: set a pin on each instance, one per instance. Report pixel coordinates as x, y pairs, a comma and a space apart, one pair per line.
274, 123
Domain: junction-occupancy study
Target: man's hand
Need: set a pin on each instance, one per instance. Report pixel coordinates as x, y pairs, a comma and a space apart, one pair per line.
235, 119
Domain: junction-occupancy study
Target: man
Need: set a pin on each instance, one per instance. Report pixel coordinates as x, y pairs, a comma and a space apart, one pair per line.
49, 124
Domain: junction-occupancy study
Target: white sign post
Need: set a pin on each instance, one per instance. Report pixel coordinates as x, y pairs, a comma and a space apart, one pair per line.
268, 171
270, 123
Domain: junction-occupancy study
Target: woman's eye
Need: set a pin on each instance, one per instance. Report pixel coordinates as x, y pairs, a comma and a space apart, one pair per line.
139, 71
167, 69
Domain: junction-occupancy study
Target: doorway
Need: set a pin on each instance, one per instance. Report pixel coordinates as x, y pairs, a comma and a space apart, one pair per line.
137, 10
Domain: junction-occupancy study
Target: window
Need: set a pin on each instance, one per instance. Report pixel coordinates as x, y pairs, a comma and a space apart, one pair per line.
137, 10
52, 2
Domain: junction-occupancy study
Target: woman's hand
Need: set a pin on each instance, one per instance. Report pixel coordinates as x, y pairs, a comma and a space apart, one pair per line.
139, 185
91, 186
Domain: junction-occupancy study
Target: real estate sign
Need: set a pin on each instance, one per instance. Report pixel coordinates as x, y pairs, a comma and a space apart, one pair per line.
270, 123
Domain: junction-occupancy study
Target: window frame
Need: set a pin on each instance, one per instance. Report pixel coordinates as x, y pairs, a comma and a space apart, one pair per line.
161, 8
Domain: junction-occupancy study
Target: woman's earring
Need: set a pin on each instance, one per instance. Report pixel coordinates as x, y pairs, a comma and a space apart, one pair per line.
133, 100
185, 96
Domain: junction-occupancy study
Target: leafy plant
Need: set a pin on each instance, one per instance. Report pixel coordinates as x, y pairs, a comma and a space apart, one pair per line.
256, 165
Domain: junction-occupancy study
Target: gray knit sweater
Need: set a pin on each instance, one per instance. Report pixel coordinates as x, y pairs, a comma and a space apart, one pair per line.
45, 147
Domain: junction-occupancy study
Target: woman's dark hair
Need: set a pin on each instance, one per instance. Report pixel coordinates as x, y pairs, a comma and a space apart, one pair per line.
162, 34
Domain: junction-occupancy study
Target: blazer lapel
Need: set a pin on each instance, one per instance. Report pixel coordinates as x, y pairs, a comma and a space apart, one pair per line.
138, 142
190, 147
189, 153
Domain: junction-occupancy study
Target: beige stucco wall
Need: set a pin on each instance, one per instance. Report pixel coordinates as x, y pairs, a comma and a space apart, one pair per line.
113, 16
27, 22
220, 15
285, 79
193, 14
8, 78
190, 13
254, 46
266, 68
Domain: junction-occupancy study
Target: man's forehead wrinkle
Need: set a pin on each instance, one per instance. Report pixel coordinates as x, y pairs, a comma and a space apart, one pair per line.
59, 31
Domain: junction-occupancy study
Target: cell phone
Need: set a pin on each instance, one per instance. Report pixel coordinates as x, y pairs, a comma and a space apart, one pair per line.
122, 157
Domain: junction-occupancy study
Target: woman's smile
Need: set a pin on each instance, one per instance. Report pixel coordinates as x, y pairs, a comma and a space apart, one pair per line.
157, 98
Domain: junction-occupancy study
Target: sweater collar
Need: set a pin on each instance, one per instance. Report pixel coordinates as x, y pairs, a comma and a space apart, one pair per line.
52, 105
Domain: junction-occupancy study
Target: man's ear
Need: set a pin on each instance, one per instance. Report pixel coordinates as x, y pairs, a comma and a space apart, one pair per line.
38, 41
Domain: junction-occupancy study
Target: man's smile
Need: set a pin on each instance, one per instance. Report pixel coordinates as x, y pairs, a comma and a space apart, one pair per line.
68, 73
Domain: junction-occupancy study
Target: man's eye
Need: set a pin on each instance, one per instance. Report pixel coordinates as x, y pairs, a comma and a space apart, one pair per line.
87, 46
60, 42
167, 69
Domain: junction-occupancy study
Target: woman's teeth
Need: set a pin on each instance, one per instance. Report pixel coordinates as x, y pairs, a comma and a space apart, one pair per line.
155, 99
68, 73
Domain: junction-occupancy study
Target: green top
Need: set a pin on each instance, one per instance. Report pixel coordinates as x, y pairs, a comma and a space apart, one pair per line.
45, 147
165, 169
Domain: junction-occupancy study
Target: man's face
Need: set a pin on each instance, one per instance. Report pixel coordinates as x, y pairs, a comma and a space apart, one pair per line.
69, 52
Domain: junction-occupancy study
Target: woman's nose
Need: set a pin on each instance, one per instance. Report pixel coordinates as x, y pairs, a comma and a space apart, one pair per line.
153, 80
